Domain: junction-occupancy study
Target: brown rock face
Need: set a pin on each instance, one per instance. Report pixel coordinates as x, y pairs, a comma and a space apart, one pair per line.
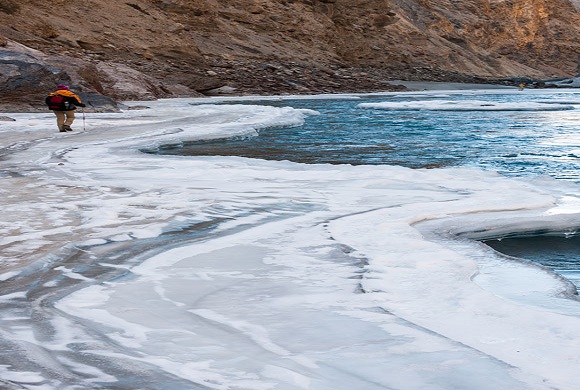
162, 48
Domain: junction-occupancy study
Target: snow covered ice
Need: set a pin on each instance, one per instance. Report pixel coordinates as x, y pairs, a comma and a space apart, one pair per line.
129, 270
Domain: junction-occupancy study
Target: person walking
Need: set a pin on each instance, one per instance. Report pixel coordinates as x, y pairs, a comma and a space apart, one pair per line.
63, 102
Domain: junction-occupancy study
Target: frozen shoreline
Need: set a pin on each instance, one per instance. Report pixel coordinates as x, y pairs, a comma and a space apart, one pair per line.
447, 86
413, 86
271, 298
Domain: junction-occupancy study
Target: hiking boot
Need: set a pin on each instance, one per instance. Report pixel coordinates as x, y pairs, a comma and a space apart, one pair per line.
67, 128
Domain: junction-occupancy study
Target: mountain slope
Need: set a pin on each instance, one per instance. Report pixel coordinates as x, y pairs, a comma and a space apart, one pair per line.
153, 48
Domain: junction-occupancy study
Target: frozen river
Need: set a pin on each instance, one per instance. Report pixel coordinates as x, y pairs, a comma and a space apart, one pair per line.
126, 270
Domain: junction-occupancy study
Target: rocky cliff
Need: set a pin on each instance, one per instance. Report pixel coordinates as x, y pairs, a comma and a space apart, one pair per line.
163, 48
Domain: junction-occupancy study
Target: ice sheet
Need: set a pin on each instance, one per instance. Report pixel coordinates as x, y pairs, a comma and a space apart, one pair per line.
131, 270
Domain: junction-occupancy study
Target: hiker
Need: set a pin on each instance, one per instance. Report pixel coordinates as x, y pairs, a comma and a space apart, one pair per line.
63, 103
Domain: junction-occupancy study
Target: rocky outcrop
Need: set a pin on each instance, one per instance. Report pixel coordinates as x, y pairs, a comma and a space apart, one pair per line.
573, 82
167, 48
26, 75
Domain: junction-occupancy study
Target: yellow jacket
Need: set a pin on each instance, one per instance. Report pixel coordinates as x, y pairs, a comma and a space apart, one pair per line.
70, 101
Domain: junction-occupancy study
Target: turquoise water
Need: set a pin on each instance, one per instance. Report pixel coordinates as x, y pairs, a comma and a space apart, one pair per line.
508, 133
530, 142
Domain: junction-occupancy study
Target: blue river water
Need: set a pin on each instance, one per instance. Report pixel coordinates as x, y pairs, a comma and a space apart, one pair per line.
516, 134
512, 140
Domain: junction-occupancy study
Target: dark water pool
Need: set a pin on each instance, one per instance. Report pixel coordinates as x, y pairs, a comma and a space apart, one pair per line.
560, 253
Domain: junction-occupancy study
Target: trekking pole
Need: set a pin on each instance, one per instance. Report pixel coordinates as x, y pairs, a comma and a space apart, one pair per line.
83, 110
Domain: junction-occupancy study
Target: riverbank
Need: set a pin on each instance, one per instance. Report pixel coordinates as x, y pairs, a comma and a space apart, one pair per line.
447, 86
354, 85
